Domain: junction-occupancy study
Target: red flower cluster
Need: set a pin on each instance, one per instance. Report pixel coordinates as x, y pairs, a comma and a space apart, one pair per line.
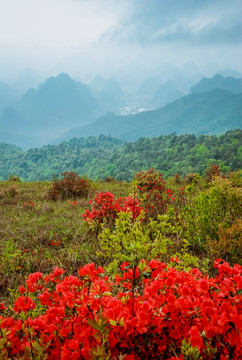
148, 312
24, 303
104, 205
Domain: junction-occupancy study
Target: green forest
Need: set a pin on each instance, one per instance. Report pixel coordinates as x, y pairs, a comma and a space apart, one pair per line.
104, 156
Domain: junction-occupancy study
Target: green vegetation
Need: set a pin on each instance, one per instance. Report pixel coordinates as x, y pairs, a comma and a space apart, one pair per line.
201, 222
104, 156
151, 235
38, 233
42, 163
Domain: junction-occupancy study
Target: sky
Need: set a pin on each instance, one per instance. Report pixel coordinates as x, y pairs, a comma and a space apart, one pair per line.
86, 37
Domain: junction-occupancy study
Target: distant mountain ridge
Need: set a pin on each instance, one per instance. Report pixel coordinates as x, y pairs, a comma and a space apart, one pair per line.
212, 112
58, 100
107, 93
218, 82
61, 108
60, 103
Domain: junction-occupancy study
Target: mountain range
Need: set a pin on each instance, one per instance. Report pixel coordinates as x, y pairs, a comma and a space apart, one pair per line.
42, 114
218, 82
61, 108
211, 112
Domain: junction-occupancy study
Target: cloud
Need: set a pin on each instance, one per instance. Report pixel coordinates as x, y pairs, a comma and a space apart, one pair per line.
43, 33
80, 36
52, 23
196, 22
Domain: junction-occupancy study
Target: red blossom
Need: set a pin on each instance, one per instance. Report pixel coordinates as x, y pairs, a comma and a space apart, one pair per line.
24, 303
2, 306
80, 316
22, 289
105, 206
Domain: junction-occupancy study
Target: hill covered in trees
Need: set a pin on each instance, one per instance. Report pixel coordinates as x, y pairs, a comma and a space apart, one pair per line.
103, 156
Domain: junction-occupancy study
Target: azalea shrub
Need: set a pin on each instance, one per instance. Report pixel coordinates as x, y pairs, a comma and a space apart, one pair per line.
70, 185
148, 311
105, 207
153, 192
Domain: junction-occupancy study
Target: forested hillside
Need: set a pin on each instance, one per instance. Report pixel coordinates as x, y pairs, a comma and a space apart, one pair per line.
171, 154
42, 163
99, 157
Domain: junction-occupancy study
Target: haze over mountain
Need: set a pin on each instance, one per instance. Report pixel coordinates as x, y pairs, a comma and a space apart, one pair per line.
42, 114
111, 86
108, 37
62, 107
165, 94
210, 112
26, 79
7, 96
230, 72
149, 86
108, 93
218, 82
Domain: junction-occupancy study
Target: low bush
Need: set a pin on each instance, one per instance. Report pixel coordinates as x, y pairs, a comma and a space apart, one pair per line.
70, 185
153, 192
133, 241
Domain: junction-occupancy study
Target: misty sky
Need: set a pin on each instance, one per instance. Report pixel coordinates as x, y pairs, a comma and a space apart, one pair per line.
105, 36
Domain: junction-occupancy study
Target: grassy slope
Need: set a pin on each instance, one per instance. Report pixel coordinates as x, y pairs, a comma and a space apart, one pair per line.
38, 234
32, 228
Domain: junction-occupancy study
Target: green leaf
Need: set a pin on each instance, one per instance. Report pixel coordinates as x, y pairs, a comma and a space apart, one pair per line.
113, 322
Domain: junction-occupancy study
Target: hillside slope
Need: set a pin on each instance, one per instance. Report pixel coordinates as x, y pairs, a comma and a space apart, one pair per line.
218, 82
212, 112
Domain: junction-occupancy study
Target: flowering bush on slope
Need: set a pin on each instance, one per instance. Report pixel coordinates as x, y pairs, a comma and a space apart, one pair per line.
153, 192
105, 206
147, 312
70, 185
